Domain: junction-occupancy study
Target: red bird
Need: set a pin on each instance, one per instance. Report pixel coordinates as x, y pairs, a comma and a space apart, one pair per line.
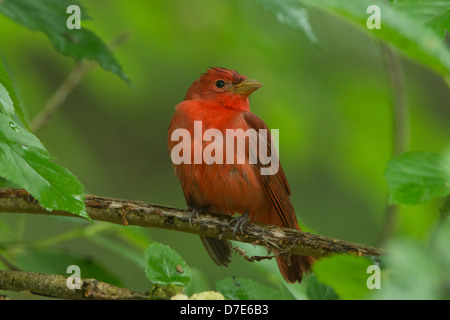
220, 100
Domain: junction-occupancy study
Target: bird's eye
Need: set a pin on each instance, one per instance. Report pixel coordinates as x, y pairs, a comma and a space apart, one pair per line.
220, 83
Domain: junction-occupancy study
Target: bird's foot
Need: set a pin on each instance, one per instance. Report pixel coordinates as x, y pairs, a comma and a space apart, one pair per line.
194, 213
240, 222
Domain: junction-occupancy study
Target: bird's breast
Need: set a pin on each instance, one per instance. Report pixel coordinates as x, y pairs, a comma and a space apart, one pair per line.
224, 184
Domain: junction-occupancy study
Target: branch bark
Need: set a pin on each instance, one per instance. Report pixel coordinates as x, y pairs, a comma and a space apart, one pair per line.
126, 212
55, 286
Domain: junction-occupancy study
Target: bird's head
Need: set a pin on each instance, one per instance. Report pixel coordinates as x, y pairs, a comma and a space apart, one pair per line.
224, 86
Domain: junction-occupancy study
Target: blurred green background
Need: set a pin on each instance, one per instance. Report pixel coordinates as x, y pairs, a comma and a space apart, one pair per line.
331, 103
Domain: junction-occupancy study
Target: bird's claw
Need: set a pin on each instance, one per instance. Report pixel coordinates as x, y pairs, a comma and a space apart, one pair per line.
240, 222
194, 212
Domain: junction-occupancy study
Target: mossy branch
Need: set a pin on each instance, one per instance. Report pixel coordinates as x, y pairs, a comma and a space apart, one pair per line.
127, 212
55, 286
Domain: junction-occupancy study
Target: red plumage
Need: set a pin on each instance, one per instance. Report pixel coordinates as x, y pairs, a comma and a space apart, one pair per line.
232, 188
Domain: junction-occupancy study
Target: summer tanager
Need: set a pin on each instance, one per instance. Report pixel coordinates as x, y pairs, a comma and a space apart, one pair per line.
220, 100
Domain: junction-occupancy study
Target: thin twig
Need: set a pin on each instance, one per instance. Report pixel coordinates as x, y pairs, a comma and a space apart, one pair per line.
399, 105
206, 224
244, 255
400, 135
63, 91
7, 263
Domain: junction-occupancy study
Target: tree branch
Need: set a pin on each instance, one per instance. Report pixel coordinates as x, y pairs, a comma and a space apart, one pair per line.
126, 212
55, 286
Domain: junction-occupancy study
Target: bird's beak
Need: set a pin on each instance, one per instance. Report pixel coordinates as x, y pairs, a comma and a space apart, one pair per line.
246, 87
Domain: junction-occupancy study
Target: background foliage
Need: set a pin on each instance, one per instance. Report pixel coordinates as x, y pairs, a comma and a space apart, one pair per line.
325, 87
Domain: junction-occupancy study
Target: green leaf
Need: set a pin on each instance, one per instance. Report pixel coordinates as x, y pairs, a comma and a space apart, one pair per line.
434, 13
25, 162
415, 177
246, 289
416, 40
446, 159
315, 290
50, 18
8, 99
165, 266
346, 274
293, 14
440, 24
414, 271
6, 103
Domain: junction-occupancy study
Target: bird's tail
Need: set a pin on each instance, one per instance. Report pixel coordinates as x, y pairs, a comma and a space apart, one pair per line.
292, 266
218, 250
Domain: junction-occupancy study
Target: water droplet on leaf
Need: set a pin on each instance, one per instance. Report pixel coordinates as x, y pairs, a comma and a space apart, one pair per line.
13, 126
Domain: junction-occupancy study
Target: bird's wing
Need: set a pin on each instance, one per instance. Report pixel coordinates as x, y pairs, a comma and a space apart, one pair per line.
276, 185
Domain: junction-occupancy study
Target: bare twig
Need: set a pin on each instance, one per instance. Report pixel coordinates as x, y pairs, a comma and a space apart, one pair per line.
208, 225
399, 106
55, 286
400, 136
244, 255
61, 94
7, 263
